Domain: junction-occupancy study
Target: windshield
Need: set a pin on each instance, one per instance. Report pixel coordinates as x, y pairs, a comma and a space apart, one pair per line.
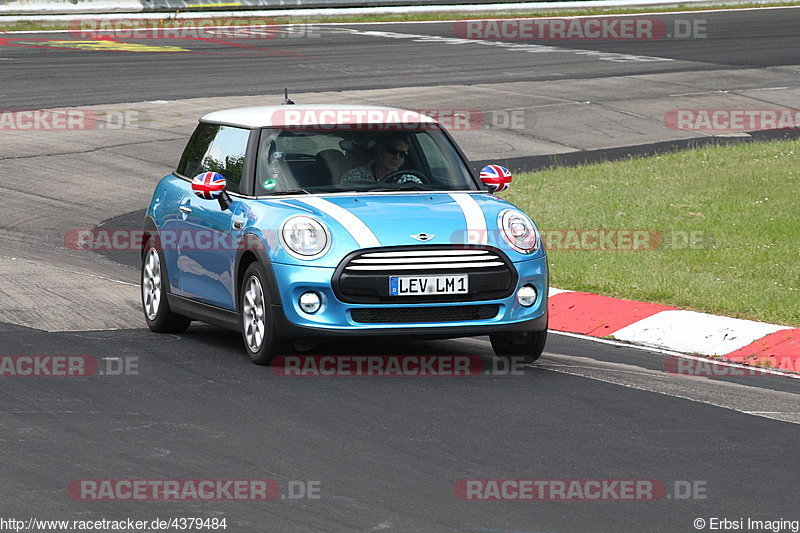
295, 161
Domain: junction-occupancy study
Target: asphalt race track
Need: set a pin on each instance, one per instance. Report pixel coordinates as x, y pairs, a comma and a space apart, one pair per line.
346, 58
384, 454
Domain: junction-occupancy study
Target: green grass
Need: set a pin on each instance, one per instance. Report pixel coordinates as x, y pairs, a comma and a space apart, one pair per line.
745, 198
406, 17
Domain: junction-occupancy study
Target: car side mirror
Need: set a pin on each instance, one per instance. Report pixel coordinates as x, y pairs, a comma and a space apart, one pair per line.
224, 201
211, 186
496, 178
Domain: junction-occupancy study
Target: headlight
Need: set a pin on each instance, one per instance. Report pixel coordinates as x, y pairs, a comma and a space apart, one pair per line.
304, 237
518, 231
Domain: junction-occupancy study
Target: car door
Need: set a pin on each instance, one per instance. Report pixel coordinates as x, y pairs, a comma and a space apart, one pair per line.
208, 239
175, 204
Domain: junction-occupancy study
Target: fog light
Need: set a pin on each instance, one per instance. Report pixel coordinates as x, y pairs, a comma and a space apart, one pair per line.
526, 295
310, 302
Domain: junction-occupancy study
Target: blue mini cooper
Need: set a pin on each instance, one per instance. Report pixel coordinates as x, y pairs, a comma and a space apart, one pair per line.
289, 223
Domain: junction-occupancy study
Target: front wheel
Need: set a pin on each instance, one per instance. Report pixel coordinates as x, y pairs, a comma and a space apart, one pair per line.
157, 313
258, 325
528, 345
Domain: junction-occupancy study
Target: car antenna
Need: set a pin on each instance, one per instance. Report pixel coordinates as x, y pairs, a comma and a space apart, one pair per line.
286, 100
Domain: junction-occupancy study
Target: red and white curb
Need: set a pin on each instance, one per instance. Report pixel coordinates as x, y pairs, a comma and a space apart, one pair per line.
677, 330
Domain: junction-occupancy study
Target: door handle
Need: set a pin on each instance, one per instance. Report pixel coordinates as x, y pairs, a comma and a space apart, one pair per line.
185, 209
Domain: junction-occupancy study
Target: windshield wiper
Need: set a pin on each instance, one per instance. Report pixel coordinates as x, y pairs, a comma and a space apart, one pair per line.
290, 191
414, 187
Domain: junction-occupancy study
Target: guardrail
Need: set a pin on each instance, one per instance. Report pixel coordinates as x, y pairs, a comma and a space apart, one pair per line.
58, 9
45, 7
54, 7
158, 5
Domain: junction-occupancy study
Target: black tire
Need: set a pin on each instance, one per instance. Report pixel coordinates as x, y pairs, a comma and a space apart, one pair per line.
253, 293
153, 291
528, 345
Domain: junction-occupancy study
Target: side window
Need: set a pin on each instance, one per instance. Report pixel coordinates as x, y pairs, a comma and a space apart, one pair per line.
215, 148
192, 158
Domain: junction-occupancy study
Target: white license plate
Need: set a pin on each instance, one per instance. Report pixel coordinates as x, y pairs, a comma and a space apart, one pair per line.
428, 285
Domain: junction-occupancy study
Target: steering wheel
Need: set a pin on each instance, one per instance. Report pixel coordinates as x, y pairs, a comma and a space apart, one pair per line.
395, 177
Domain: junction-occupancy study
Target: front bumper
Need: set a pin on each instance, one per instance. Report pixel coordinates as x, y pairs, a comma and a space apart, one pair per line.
335, 317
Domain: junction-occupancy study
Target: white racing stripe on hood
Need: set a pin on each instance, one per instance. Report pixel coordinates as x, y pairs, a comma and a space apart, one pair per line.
354, 225
473, 214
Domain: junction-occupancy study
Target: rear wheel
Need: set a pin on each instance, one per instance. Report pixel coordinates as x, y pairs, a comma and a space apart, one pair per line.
157, 313
258, 324
528, 345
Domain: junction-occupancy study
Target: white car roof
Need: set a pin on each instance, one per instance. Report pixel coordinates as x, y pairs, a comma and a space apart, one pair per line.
310, 115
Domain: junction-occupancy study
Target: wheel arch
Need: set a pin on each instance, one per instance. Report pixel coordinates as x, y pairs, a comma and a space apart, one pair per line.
253, 250
150, 231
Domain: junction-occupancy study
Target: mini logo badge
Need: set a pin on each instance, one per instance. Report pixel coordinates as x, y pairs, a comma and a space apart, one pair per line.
423, 237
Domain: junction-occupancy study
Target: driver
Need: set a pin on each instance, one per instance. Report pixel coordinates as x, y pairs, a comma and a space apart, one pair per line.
390, 152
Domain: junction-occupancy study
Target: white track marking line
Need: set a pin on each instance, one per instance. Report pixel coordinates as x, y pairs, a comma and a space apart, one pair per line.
668, 385
676, 354
719, 362
516, 46
692, 388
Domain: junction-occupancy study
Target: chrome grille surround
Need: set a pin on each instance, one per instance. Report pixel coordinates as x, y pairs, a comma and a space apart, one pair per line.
425, 260
363, 276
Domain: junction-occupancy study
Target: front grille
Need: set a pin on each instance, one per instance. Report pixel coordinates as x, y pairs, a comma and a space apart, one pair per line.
363, 277
401, 315
427, 260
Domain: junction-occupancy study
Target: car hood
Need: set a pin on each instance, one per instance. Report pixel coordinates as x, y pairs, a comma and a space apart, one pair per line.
408, 219
395, 219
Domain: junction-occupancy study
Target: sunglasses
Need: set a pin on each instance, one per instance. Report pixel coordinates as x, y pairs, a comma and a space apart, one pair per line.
394, 151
